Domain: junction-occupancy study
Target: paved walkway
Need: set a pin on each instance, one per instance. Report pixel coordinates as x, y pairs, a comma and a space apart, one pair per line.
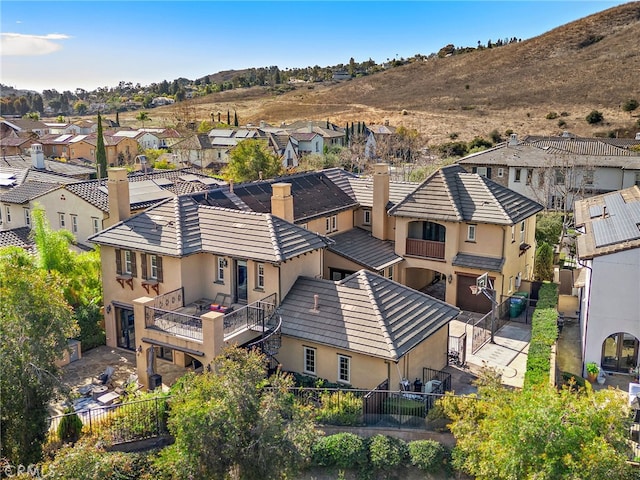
508, 354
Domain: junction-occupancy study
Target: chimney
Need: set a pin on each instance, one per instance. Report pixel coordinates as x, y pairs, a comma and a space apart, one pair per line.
380, 218
513, 140
310, 127
231, 185
386, 123
262, 124
638, 136
37, 156
118, 188
282, 201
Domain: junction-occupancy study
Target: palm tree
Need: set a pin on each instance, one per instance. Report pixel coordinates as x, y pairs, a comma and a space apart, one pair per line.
143, 117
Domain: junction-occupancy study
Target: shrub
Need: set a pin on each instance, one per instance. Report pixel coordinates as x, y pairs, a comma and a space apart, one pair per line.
495, 136
548, 296
595, 117
70, 427
630, 105
453, 149
342, 450
427, 455
564, 114
562, 123
386, 452
479, 142
339, 408
543, 269
551, 116
544, 332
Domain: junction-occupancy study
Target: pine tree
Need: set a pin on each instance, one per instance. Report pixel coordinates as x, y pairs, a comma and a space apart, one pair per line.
228, 118
327, 124
346, 135
359, 132
352, 129
235, 119
101, 153
117, 118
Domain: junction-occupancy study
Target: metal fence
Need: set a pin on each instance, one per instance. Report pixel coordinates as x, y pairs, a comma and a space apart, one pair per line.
170, 300
252, 316
482, 328
175, 323
125, 422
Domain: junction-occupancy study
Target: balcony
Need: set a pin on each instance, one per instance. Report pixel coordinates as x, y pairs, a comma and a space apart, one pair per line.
425, 248
171, 316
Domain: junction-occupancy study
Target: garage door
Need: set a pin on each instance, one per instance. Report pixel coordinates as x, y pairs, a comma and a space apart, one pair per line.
465, 300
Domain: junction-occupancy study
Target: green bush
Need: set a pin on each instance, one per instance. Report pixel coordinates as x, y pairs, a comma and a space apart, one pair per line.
594, 117
342, 450
339, 408
548, 296
428, 455
551, 116
544, 332
386, 453
562, 123
70, 427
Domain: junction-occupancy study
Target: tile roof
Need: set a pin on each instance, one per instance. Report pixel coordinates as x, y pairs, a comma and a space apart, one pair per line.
361, 247
181, 226
451, 194
14, 141
27, 191
200, 141
363, 313
611, 223
17, 237
65, 168
303, 136
363, 191
479, 262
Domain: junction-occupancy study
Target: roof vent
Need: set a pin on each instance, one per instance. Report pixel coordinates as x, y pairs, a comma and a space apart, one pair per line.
513, 139
638, 136
37, 156
316, 299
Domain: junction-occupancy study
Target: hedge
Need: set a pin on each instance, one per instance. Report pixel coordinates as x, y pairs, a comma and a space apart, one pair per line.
544, 332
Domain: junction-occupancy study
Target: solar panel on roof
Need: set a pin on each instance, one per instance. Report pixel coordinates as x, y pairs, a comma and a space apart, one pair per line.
7, 175
62, 138
595, 211
188, 177
208, 181
163, 182
5, 182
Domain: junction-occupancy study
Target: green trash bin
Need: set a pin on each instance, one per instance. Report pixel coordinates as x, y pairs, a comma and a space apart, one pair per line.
516, 305
525, 299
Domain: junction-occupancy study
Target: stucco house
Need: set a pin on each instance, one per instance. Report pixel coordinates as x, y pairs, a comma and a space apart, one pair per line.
608, 249
557, 171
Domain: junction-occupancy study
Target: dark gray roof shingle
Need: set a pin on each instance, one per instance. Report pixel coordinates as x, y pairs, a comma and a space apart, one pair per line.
364, 249
478, 262
17, 237
27, 191
451, 194
364, 313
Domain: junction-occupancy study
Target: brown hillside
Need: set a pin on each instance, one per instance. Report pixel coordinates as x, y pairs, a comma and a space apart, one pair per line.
592, 63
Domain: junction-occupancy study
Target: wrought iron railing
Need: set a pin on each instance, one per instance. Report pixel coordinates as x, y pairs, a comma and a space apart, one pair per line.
170, 300
253, 316
125, 422
174, 323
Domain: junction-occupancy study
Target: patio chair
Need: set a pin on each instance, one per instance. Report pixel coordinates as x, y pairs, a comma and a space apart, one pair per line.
222, 303
105, 377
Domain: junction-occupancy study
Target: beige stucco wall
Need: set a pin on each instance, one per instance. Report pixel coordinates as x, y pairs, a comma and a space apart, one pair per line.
366, 371
309, 265
319, 225
332, 260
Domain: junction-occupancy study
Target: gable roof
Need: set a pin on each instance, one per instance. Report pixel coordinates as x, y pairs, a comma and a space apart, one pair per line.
51, 166
27, 191
181, 226
17, 237
451, 194
363, 313
611, 223
361, 247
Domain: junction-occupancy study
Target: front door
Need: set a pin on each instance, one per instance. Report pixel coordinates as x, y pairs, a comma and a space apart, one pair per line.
620, 352
241, 281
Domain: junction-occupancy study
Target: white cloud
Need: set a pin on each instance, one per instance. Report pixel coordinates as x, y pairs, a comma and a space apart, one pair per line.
18, 44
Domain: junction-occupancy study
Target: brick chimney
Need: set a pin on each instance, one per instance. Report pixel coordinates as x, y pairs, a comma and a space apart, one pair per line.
380, 219
37, 156
118, 188
282, 201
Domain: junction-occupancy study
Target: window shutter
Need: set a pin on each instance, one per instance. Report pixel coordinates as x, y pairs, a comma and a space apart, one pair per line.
488, 172
474, 169
143, 264
134, 270
118, 261
159, 265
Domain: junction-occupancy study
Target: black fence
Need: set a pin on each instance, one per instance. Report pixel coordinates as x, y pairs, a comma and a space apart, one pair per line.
125, 422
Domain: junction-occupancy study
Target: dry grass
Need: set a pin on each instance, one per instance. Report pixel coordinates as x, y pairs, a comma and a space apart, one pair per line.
511, 87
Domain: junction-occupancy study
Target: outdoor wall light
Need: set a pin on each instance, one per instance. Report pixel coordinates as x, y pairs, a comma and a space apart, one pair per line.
450, 278
109, 308
224, 263
139, 349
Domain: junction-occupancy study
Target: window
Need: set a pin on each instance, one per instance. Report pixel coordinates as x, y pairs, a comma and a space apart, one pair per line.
96, 224
471, 233
151, 267
559, 177
638, 179
588, 177
500, 172
518, 172
390, 273
74, 223
127, 261
367, 217
27, 217
482, 171
529, 176
513, 233
8, 210
221, 263
260, 276
344, 370
521, 232
541, 179
61, 221
332, 223
309, 360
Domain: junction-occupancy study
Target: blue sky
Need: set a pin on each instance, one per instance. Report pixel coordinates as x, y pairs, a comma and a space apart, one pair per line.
90, 44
